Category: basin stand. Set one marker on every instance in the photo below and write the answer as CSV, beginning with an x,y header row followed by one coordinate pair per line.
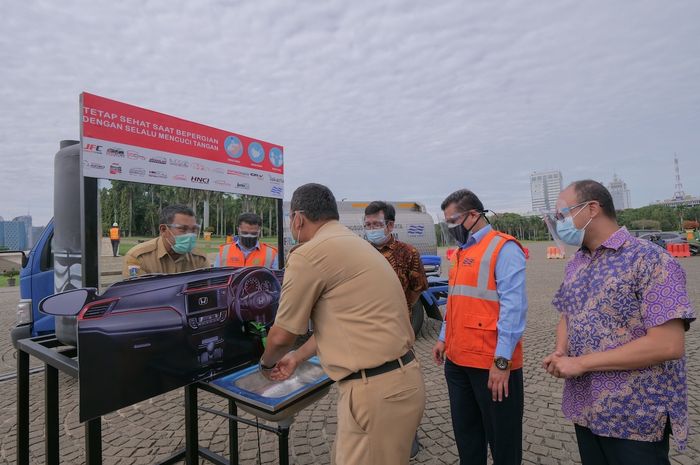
x,y
192,451
282,432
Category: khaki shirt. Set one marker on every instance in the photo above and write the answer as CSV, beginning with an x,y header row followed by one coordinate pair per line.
x,y
353,297
152,257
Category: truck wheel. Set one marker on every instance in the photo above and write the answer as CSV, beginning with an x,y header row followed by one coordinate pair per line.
x,y
417,317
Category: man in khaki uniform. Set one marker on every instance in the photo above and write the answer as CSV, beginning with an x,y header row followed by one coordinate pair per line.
x,y
362,333
172,251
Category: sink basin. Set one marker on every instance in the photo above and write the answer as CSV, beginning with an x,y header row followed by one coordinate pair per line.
x,y
275,400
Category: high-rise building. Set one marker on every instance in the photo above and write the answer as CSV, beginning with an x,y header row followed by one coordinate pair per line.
x,y
27,220
545,187
36,233
13,235
620,193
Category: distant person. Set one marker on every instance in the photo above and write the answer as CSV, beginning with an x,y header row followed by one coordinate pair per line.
x,y
480,341
620,342
171,252
114,237
404,259
361,333
246,248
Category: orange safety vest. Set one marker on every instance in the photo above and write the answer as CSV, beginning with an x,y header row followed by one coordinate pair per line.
x,y
232,255
114,234
473,307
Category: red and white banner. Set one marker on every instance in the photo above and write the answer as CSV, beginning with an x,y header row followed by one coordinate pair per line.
x,y
129,143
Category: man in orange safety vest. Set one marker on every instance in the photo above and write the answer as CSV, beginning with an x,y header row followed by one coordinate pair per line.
x,y
246,248
480,342
114,237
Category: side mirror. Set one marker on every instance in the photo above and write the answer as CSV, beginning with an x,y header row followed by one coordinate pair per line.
x,y
25,259
66,303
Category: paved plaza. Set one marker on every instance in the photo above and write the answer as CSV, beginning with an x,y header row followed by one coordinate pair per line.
x,y
148,432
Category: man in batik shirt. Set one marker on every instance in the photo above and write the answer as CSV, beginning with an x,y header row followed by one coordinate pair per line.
x,y
621,339
404,259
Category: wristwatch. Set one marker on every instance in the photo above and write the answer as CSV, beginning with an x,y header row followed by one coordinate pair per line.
x,y
264,367
502,363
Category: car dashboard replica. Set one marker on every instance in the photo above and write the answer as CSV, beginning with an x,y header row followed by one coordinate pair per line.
x,y
148,335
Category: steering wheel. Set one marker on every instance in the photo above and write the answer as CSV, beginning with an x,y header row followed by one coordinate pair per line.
x,y
256,296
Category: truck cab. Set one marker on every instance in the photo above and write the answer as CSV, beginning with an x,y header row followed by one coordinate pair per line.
x,y
36,281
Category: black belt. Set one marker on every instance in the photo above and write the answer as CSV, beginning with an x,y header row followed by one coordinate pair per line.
x,y
386,367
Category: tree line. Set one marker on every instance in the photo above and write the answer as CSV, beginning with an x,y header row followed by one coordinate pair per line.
x,y
136,208
652,217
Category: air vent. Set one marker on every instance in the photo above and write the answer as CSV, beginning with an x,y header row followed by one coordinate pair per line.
x,y
96,311
198,284
218,281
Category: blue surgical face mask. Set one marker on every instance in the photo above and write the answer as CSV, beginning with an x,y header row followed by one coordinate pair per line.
x,y
184,243
294,240
376,236
569,233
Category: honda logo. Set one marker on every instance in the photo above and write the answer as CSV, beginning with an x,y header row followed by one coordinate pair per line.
x,y
203,301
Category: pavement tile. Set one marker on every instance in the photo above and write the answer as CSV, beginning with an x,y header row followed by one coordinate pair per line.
x,y
154,429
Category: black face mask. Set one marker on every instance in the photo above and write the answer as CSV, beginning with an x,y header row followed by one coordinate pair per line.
x,y
248,241
460,233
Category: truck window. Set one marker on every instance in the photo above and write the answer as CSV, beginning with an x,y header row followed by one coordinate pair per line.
x,y
46,260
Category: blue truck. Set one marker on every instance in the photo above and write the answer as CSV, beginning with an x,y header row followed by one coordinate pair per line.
x,y
36,281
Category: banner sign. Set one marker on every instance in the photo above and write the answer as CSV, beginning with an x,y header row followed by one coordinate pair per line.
x,y
129,143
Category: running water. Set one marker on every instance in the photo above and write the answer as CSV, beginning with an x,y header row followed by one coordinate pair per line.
x,y
256,383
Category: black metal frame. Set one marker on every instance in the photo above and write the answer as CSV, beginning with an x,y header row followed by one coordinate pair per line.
x,y
193,451
56,357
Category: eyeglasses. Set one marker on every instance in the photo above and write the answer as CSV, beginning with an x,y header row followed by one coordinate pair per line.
x,y
184,229
375,224
561,214
454,220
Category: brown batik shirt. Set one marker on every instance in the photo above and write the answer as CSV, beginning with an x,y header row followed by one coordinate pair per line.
x,y
405,260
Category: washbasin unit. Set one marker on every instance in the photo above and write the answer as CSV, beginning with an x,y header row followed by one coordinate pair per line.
x,y
275,401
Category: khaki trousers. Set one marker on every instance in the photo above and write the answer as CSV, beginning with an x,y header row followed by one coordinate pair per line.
x,y
378,417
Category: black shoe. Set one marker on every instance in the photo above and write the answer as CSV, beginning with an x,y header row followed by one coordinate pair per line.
x,y
415,447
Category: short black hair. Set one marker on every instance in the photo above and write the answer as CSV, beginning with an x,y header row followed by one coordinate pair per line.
x,y
317,202
379,206
465,199
587,190
250,218
167,214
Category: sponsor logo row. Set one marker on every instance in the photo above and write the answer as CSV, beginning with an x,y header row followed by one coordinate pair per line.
x,y
116,168
160,160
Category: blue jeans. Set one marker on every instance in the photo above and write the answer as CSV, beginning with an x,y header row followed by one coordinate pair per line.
x,y
479,422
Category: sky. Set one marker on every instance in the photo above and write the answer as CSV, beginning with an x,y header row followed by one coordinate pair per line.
x,y
391,100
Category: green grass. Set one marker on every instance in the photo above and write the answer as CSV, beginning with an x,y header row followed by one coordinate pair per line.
x,y
3,281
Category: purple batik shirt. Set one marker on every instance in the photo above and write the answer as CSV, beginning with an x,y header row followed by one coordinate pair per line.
x,y
609,298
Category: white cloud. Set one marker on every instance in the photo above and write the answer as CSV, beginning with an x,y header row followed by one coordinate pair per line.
x,y
376,99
